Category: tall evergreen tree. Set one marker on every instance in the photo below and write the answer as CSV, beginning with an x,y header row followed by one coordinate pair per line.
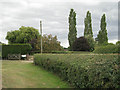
x,y
88,25
72,28
102,35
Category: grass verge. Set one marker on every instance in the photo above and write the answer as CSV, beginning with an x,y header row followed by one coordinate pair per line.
x,y
17,74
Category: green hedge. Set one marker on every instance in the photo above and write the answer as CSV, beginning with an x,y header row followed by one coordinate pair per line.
x,y
62,52
83,71
107,49
15,49
71,52
0,51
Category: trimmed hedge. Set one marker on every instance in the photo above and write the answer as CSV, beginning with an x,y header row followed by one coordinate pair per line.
x,y
15,49
62,52
108,49
83,71
0,51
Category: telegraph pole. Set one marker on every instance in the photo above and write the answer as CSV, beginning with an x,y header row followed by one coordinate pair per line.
x,y
41,34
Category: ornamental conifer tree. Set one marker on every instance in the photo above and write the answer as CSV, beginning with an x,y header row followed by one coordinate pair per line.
x,y
102,35
72,35
88,25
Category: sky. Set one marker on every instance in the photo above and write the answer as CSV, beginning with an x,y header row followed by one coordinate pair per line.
x,y
54,16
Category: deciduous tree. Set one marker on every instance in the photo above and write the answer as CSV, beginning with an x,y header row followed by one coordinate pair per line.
x,y
72,28
23,35
50,43
88,25
81,44
88,34
102,35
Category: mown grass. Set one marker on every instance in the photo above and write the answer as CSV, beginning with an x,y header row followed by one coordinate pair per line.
x,y
17,74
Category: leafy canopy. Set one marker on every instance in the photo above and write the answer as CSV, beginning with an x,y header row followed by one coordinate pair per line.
x,y
81,44
72,35
88,25
102,35
23,35
50,43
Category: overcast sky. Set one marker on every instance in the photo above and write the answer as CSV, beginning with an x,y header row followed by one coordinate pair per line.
x,y
54,15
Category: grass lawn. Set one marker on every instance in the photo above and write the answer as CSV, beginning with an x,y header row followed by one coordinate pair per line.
x,y
18,74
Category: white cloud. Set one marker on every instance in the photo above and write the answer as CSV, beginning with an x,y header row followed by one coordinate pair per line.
x,y
54,15
113,41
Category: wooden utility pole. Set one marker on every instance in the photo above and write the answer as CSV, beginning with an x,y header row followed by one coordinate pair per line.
x,y
41,34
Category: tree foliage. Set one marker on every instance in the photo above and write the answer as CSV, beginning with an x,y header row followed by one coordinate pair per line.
x,y
1,43
81,44
88,25
72,28
49,43
91,42
31,35
102,35
23,35
88,34
118,43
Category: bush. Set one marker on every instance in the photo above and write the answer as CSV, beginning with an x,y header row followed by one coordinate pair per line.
x,y
81,44
91,42
91,71
60,52
0,51
15,49
107,49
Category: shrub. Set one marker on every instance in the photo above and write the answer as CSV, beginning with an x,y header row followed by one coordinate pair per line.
x,y
15,49
91,71
118,43
81,44
107,49
0,51
60,52
91,42
110,44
